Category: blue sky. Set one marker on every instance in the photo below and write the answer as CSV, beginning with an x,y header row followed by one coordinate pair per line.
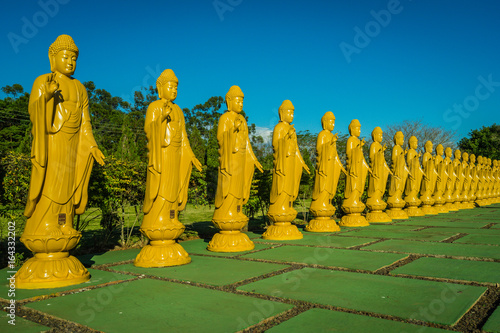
x,y
433,60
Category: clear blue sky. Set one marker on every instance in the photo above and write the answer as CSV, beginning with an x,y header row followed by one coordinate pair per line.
x,y
415,64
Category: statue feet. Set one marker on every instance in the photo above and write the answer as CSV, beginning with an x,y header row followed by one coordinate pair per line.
x,y
451,206
354,220
162,253
396,213
322,224
378,216
52,266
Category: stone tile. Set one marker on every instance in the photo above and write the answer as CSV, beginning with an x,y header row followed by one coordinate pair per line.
x,y
328,257
448,249
478,271
480,239
446,223
320,320
148,305
96,277
474,231
213,271
430,301
403,234
493,322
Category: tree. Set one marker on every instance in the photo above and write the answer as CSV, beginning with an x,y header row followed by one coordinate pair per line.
x,y
483,142
14,118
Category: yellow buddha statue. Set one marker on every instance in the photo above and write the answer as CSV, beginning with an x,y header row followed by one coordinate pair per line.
x,y
496,173
170,160
450,184
465,202
287,171
474,180
357,170
414,180
237,163
429,181
490,179
328,169
481,182
459,183
441,181
62,154
398,180
378,180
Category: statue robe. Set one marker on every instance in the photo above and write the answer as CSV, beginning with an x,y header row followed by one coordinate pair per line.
x,y
169,158
400,171
376,187
60,154
328,166
357,169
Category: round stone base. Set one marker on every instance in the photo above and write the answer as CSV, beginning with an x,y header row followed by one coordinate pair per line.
x,y
378,216
440,208
414,211
230,241
451,207
354,220
397,214
322,224
162,254
282,231
429,210
51,270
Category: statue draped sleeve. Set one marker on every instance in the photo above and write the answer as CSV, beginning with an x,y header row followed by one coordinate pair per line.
x,y
152,127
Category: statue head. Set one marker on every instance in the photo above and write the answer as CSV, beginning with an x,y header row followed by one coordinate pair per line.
x,y
355,128
377,134
439,150
448,152
234,99
480,160
328,121
413,142
458,153
428,146
472,158
465,157
63,54
286,111
166,84
399,138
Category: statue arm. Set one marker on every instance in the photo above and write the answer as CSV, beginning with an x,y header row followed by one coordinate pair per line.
x,y
349,156
225,138
152,126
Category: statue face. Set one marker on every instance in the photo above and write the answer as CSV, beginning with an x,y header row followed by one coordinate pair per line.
x,y
448,152
356,131
439,150
457,154
378,136
400,140
330,124
235,104
288,115
168,91
472,158
414,144
65,62
428,147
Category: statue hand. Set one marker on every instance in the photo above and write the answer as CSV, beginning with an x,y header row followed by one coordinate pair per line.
x,y
51,85
196,163
237,124
98,155
335,137
259,166
291,131
167,109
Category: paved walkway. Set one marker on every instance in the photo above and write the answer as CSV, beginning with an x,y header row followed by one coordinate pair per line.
x,y
425,274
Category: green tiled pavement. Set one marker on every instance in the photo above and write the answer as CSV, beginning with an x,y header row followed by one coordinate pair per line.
x,y
474,231
199,246
478,271
108,257
328,257
402,235
480,239
316,239
448,249
159,306
429,301
320,320
493,323
213,271
96,277
445,223
21,325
